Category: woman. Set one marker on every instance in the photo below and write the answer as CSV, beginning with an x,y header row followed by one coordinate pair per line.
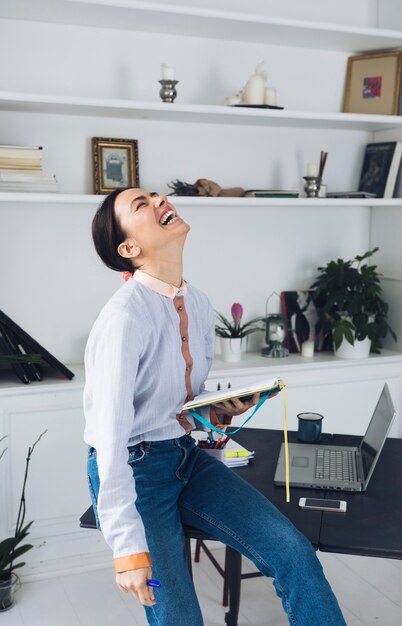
x,y
149,351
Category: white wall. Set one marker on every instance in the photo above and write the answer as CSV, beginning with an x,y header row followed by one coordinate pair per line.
x,y
51,282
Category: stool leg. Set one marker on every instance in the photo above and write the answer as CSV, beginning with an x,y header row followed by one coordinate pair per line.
x,y
188,555
197,550
225,600
234,581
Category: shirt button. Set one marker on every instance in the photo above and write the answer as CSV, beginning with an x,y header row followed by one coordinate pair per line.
x,y
180,308
184,338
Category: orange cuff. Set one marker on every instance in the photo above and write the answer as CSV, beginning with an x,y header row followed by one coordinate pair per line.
x,y
132,561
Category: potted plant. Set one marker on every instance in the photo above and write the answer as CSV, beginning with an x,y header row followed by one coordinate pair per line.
x,y
232,332
10,550
348,298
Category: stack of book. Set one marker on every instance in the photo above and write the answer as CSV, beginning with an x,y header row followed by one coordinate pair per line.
x,y
21,170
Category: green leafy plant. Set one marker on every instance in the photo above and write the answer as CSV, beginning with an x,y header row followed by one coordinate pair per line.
x,y
10,548
234,329
348,298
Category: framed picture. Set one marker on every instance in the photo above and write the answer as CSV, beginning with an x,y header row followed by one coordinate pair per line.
x,y
380,168
373,83
115,164
301,318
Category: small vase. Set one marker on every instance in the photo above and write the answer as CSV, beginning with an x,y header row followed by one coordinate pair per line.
x,y
359,350
7,589
231,349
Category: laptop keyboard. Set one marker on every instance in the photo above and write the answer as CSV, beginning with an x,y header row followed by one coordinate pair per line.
x,y
335,465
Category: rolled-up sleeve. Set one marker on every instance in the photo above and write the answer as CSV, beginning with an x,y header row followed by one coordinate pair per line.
x,y
111,363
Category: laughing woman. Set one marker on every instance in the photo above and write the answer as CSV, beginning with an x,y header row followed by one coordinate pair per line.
x,y
148,352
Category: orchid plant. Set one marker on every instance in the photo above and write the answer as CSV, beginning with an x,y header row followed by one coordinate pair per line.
x,y
234,329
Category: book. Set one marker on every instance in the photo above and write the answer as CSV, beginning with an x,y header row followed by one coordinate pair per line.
x,y
380,168
271,193
21,152
350,194
8,163
272,385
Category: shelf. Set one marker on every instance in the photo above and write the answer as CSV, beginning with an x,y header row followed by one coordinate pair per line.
x,y
211,114
296,363
199,22
190,201
252,363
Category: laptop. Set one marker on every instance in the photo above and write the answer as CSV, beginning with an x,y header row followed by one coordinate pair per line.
x,y
339,467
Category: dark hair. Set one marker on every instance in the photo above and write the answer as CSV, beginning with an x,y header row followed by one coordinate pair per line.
x,y
107,234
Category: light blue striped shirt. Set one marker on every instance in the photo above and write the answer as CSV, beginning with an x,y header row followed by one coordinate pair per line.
x,y
136,383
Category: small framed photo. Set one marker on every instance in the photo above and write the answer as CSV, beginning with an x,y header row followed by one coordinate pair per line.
x,y
115,164
373,83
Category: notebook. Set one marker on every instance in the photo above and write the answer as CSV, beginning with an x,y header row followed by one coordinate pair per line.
x,y
246,392
339,467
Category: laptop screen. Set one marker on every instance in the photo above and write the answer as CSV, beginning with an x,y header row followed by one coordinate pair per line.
x,y
377,432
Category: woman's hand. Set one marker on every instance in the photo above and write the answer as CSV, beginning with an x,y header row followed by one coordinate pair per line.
x,y
135,580
231,408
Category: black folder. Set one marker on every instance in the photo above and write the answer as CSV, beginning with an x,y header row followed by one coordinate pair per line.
x,y
28,343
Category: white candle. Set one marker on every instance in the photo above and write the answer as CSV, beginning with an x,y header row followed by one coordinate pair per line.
x,y
307,349
312,169
167,72
270,96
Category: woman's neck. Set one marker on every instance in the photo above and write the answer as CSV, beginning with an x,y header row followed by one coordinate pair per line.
x,y
168,272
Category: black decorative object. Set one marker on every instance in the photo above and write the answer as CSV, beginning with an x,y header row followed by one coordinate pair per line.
x,y
182,189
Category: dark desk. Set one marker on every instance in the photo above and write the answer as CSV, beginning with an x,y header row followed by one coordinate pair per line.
x,y
370,527
372,524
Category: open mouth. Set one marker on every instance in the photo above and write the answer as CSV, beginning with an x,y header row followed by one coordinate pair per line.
x,y
168,217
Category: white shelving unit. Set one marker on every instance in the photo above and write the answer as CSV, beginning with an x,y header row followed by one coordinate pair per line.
x,y
191,201
211,114
199,22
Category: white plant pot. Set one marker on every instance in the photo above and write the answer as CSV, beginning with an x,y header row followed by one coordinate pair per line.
x,y
360,349
231,349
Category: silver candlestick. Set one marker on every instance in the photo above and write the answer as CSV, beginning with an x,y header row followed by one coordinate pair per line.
x,y
312,186
168,90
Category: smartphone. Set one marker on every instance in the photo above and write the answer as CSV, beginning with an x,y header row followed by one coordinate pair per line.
x,y
319,504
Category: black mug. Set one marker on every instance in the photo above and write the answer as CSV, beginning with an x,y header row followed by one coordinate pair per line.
x,y
309,427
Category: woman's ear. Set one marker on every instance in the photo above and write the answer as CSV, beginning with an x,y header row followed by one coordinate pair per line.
x,y
128,249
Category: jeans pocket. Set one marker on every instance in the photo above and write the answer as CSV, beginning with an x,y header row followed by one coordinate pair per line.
x,y
135,454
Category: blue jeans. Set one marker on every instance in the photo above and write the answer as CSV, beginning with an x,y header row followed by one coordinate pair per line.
x,y
178,482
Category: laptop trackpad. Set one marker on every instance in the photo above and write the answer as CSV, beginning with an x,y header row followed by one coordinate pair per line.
x,y
300,461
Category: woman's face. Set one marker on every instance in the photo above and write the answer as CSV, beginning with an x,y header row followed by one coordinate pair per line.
x,y
150,222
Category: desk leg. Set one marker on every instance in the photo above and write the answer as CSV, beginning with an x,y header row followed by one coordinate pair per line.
x,y
234,582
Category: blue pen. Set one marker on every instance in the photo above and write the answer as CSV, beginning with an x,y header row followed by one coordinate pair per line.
x,y
153,583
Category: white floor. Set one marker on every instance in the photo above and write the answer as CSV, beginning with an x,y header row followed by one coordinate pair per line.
x,y
368,589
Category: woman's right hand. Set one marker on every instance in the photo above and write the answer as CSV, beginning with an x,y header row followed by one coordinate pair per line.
x,y
135,580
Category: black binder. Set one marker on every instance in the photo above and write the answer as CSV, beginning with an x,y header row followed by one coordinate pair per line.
x,y
31,345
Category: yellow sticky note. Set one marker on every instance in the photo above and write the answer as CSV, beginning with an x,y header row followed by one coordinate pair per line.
x,y
236,454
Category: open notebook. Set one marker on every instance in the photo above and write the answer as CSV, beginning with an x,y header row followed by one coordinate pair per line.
x,y
270,386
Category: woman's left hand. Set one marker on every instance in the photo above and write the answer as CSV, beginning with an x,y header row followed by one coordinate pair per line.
x,y
231,408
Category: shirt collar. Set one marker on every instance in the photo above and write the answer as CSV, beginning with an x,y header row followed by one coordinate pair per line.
x,y
165,289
